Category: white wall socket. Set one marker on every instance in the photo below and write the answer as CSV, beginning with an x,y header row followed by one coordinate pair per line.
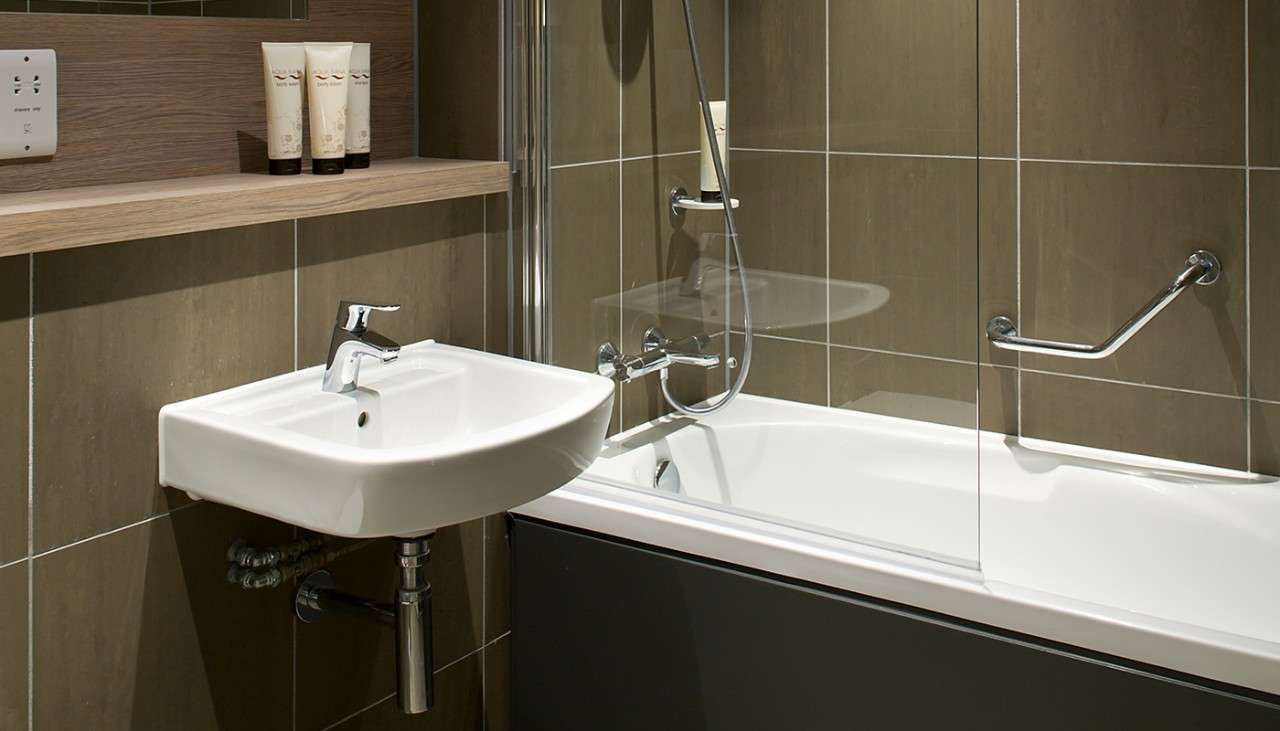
x,y
29,112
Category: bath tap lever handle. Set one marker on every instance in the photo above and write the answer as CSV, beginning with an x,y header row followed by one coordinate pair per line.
x,y
1202,268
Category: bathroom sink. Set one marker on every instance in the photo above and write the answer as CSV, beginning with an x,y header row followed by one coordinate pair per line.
x,y
440,436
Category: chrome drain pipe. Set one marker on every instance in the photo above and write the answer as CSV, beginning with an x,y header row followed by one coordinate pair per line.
x,y
410,614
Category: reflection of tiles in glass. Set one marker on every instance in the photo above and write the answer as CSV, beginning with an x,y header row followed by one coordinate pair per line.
x,y
282,9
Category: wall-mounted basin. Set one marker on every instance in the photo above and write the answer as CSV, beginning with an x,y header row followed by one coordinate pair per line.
x,y
440,436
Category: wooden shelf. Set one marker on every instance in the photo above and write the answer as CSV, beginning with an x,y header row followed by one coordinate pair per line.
x,y
74,217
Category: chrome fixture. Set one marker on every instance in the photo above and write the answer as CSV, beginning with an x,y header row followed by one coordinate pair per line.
x,y
268,568
681,201
1202,268
666,477
410,614
731,226
353,341
658,354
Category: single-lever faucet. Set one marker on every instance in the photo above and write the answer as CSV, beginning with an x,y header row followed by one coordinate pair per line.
x,y
353,341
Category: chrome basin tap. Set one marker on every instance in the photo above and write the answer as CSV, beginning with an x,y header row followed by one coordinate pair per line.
x,y
352,342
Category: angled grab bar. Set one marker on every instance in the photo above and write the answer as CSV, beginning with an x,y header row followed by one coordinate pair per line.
x,y
1202,268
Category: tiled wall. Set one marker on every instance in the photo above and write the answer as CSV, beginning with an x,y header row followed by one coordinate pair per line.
x,y
114,608
624,130
132,623
1051,161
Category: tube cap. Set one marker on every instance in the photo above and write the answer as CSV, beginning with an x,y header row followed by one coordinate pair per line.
x,y
357,160
327,166
285,167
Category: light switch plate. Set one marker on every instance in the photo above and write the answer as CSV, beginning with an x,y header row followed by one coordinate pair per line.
x,y
29,114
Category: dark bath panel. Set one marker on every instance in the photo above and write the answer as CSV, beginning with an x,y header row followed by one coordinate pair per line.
x,y
617,636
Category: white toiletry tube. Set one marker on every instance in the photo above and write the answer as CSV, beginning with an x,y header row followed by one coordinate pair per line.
x,y
283,65
720,118
328,68
358,142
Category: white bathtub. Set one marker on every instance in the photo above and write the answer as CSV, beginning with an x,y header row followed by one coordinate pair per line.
x,y
1163,562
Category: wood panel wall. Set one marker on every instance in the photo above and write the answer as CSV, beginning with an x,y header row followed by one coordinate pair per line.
x,y
150,98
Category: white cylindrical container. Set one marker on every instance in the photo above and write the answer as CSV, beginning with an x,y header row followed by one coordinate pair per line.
x,y
283,65
720,118
328,66
358,116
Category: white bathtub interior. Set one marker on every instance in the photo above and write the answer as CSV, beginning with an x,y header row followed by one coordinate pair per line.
x,y
1148,538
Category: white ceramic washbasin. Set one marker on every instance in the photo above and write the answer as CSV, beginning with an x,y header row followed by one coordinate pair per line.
x,y
448,435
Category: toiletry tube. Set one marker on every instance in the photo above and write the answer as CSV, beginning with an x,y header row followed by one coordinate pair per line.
x,y
328,66
358,143
720,118
283,65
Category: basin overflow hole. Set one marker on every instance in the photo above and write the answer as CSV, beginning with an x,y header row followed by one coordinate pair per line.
x,y
362,419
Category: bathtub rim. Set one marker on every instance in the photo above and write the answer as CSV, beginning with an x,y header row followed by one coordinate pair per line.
x,y
963,593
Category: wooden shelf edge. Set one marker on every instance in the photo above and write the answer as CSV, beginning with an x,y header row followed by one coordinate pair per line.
x,y
76,217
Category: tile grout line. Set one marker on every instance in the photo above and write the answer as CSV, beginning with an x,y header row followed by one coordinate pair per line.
x,y
1037,371
620,159
31,488
622,345
1044,160
1017,184
113,531
1248,268
826,159
482,648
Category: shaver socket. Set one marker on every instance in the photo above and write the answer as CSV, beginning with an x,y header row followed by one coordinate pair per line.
x,y
28,103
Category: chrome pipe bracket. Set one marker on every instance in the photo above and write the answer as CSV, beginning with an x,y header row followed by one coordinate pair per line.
x,y
1201,268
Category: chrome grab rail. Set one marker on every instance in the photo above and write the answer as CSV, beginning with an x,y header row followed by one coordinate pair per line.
x,y
1202,268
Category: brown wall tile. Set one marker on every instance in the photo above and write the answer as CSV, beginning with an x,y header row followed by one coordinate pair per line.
x,y
584,40
1126,80
997,78
428,258
140,629
776,75
998,399
660,111
904,386
903,76
366,651
460,77
1264,431
13,646
1195,428
123,329
786,369
908,225
14,341
1264,271
787,233
1264,93
997,253
1099,240
496,268
584,263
